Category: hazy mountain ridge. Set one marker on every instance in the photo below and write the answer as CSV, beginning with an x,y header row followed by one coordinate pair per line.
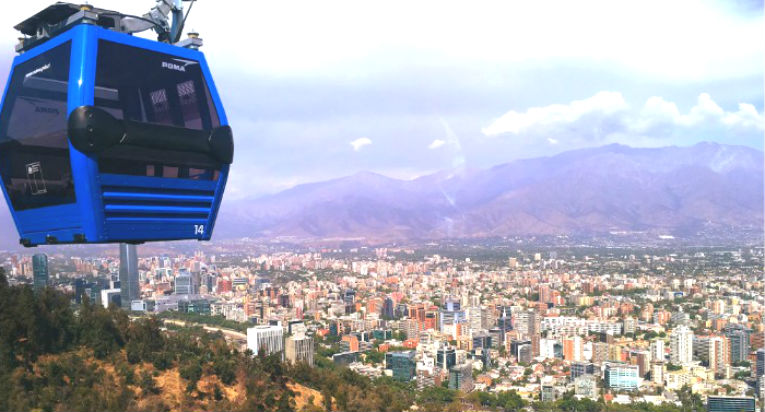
x,y
669,190
675,190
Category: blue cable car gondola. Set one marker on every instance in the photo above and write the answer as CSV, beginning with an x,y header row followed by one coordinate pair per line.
x,y
106,137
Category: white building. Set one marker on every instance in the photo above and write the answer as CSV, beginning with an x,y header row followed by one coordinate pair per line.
x,y
299,348
108,296
681,345
559,326
657,350
657,372
547,348
268,338
474,319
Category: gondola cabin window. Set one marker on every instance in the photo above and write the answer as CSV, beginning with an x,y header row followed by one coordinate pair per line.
x,y
34,150
151,87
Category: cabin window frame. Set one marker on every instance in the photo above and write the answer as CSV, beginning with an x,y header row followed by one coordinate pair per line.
x,y
159,88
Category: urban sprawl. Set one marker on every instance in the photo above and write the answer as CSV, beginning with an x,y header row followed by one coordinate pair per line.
x,y
627,325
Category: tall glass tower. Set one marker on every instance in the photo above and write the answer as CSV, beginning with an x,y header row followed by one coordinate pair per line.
x,y
128,275
40,270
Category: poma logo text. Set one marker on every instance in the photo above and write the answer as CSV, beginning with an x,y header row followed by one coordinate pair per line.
x,y
173,66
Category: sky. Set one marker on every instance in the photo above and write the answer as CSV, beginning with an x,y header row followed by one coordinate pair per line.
x,y
319,90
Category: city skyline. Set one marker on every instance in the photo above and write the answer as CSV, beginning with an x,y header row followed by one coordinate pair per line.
x,y
614,326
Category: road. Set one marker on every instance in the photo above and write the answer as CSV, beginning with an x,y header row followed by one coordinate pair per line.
x,y
229,334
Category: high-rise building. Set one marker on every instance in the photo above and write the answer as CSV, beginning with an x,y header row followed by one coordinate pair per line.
x,y
299,348
446,357
520,321
534,332
525,354
351,341
461,377
757,340
387,309
681,345
680,318
450,314
110,296
333,329
714,350
738,337
497,337
474,315
296,326
184,284
629,325
349,299
402,364
484,355
268,338
657,372
622,377
40,271
201,306
581,368
345,358
730,404
545,294
79,290
557,349
760,366
643,361
572,348
129,290
481,340
600,351
657,350
400,311
505,321
90,290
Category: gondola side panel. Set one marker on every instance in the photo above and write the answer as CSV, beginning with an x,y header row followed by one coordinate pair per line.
x,y
225,169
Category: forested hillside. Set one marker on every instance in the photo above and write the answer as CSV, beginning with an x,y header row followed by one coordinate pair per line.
x,y
55,357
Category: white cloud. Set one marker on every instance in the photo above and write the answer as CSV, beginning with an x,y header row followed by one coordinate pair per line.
x,y
746,116
606,117
706,112
556,114
435,144
360,142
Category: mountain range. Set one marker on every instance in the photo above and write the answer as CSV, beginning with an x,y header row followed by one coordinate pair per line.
x,y
670,190
678,191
